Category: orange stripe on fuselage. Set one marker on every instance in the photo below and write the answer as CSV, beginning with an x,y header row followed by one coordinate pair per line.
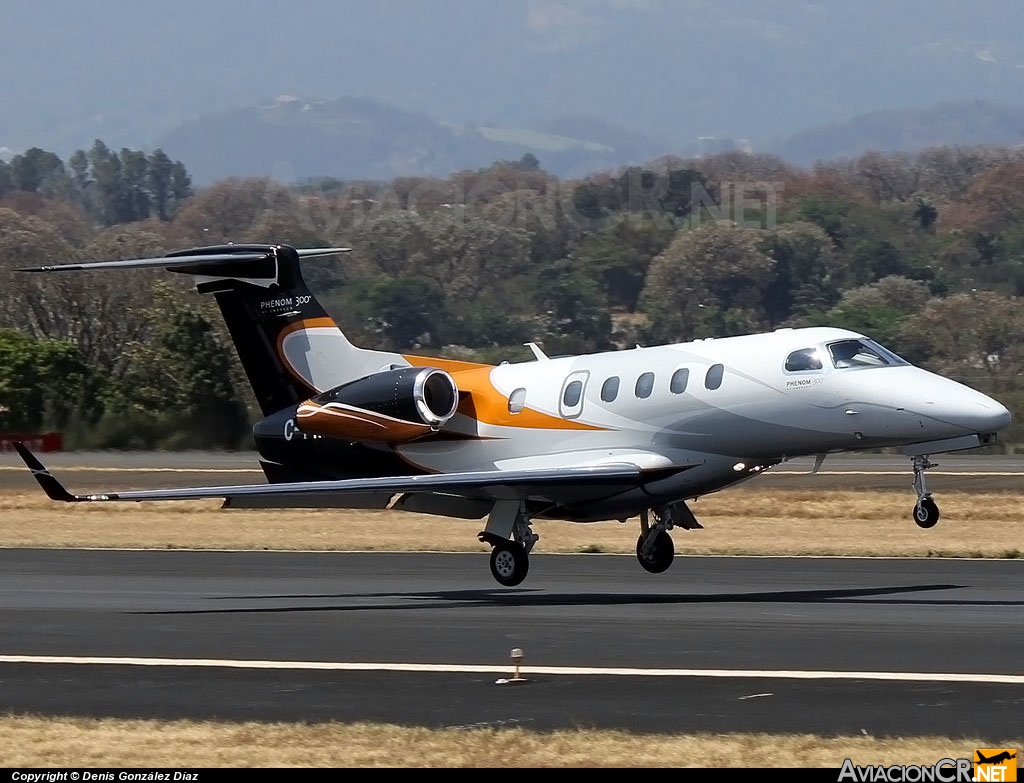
x,y
448,365
482,402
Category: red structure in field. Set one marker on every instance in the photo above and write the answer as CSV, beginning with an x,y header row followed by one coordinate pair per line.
x,y
37,441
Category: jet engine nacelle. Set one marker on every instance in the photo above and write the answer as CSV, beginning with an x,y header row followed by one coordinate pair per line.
x,y
393,406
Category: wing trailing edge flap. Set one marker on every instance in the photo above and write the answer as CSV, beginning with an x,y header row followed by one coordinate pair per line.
x,y
492,484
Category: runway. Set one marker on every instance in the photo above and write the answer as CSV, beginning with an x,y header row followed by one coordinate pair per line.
x,y
113,470
829,646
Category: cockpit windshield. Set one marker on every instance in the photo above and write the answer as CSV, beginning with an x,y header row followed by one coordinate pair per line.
x,y
862,353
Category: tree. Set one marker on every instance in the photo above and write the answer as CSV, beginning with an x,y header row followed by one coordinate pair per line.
x,y
106,174
409,311
574,315
881,310
6,179
178,389
159,171
468,256
38,171
711,281
528,162
541,216
40,381
618,259
133,200
81,177
225,211
925,213
992,203
807,274
976,337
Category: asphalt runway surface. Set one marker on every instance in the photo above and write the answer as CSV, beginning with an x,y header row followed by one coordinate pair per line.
x,y
825,645
114,470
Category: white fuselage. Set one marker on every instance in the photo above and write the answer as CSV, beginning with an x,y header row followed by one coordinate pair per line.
x,y
739,406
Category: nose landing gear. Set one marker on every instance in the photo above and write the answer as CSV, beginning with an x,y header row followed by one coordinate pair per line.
x,y
654,547
926,513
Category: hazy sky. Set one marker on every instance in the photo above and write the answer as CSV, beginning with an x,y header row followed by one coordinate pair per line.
x,y
130,71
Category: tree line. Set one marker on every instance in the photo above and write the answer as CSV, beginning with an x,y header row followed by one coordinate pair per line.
x,y
924,252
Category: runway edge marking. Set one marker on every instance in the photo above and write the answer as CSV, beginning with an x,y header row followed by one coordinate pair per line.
x,y
454,668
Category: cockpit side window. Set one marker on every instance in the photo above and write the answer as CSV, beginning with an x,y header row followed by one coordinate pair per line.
x,y
860,353
803,360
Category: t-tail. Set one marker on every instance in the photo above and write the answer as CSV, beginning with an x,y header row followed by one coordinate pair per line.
x,y
290,348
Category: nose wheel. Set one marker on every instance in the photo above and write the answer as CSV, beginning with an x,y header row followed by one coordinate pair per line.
x,y
926,512
654,548
658,556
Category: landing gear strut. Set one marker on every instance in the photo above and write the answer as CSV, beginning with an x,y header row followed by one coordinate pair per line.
x,y
511,538
926,513
654,548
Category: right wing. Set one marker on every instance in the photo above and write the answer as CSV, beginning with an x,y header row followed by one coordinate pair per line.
x,y
495,484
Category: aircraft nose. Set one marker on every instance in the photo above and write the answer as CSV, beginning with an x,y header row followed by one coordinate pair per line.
x,y
996,417
968,409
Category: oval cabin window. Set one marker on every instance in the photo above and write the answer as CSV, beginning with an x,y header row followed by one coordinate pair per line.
x,y
610,389
517,401
645,385
714,377
679,380
572,394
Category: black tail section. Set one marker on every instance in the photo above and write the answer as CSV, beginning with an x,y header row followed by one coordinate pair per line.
x,y
289,346
261,301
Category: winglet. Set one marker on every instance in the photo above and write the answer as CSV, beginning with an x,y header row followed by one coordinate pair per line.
x,y
53,488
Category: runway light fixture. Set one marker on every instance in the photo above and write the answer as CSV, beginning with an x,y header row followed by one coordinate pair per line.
x,y
517,659
739,466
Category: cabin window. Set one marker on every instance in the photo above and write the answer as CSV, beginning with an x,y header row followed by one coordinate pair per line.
x,y
610,389
645,385
517,401
803,360
570,404
571,395
713,379
679,380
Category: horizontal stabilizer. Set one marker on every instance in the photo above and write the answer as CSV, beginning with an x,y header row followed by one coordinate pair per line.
x,y
192,262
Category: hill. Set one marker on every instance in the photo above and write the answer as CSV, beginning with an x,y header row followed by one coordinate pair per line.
x,y
959,123
292,139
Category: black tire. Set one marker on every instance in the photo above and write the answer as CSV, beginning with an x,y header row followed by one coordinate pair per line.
x,y
926,513
661,556
509,563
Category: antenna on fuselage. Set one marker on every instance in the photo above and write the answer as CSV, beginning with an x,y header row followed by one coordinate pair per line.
x,y
817,463
538,354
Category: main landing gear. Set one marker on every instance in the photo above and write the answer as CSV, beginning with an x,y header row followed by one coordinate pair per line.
x,y
509,533
654,548
926,513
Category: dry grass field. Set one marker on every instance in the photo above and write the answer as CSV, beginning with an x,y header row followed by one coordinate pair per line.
x,y
78,742
769,522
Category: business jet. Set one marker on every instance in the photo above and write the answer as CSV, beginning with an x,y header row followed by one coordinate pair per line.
x,y
604,436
